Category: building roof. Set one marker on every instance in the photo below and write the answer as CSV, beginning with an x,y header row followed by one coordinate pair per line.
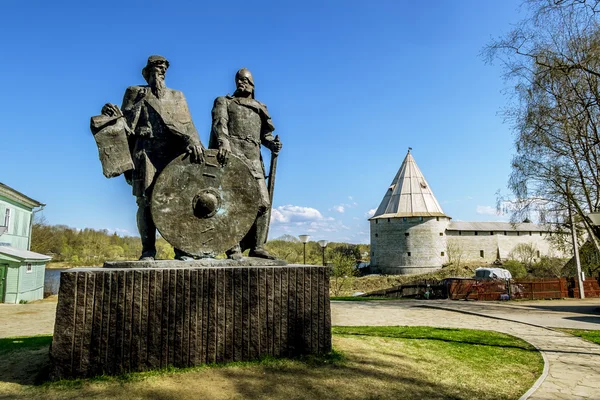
x,y
497,226
17,196
409,195
22,255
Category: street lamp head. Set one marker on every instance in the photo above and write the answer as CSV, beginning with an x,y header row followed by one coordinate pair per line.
x,y
595,217
323,243
304,238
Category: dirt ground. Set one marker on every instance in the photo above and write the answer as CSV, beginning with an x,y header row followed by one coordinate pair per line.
x,y
35,318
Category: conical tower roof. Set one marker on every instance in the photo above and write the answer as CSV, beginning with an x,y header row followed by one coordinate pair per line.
x,y
409,195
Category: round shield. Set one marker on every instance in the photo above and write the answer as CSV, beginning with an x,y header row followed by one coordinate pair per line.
x,y
205,209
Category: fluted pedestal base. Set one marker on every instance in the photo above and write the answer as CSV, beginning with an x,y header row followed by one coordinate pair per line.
x,y
117,320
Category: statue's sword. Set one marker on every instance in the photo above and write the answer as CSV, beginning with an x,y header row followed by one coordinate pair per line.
x,y
271,185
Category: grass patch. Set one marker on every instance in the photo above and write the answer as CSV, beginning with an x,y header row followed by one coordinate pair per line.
x,y
372,283
268,363
592,336
464,336
8,345
368,363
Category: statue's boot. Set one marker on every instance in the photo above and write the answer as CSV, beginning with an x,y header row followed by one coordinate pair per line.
x,y
183,256
260,238
235,253
147,229
260,252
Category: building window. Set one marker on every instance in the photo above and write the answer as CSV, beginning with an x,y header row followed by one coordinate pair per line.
x,y
442,254
481,253
408,253
540,233
404,219
437,218
376,221
476,233
518,233
406,233
459,233
441,233
530,233
491,233
29,269
504,233
372,254
377,235
420,218
7,217
388,220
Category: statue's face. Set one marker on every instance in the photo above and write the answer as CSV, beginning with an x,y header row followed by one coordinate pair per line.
x,y
243,84
159,68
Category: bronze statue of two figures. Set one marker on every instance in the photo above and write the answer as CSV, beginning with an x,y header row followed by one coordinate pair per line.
x,y
202,201
143,315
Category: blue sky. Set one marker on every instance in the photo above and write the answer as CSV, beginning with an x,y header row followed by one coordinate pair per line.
x,y
350,85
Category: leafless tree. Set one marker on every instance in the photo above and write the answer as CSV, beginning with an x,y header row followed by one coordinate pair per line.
x,y
552,58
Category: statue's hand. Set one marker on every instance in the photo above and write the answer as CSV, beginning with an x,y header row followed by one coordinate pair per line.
x,y
196,153
276,145
223,153
111,110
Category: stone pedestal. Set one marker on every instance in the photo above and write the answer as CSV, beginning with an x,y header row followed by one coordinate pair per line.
x,y
117,320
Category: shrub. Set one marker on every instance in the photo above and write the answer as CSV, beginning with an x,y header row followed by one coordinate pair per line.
x,y
549,267
516,268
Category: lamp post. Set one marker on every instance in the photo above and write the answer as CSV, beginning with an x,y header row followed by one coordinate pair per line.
x,y
304,240
575,246
323,244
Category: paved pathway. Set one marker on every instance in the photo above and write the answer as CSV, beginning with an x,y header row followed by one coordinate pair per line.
x,y
572,364
27,319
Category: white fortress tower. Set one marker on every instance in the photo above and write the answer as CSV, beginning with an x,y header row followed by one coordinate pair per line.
x,y
408,230
410,234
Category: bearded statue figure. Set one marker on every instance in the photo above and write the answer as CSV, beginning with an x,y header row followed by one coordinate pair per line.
x,y
160,128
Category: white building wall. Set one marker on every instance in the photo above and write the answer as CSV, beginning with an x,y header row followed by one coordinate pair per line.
x,y
471,247
499,244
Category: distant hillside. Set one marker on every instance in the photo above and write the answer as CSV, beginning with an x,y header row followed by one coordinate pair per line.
x,y
70,246
73,247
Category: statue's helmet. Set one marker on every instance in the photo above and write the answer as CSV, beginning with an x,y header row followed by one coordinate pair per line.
x,y
153,60
245,73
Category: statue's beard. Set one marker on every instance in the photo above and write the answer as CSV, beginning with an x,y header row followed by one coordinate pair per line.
x,y
244,92
157,84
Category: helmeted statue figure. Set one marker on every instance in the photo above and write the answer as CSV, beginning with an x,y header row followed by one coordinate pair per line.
x,y
240,124
159,129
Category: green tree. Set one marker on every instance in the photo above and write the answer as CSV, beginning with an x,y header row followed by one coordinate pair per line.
x,y
343,258
525,253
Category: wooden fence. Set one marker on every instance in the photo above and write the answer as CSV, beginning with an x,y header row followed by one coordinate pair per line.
x,y
472,289
490,290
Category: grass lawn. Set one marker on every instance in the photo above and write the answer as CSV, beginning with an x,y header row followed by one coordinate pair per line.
x,y
368,363
358,298
592,336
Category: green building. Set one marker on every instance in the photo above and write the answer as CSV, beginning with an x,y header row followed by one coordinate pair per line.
x,y
21,270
